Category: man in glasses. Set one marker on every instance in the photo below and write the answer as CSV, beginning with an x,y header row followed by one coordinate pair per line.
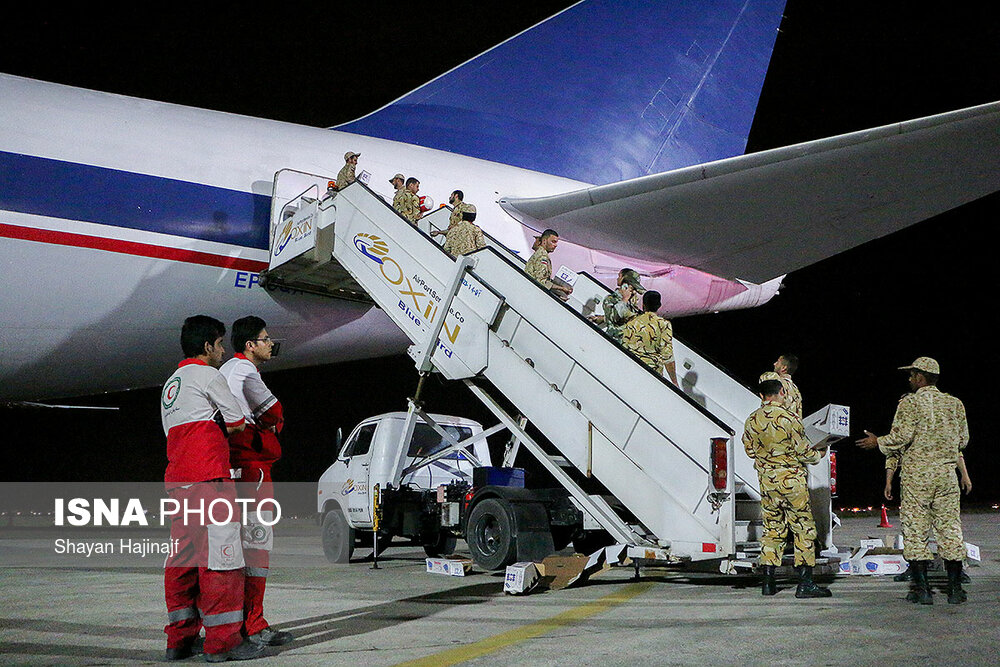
x,y
251,455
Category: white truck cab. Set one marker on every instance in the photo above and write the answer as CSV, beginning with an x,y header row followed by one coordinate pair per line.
x,y
345,491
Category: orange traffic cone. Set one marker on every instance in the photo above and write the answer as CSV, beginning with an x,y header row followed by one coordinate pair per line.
x,y
885,519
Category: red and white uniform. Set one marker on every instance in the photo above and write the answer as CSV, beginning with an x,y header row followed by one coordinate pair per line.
x,y
251,454
203,580
258,444
197,449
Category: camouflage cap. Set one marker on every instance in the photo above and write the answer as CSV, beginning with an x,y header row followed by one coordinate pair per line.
x,y
399,176
349,154
470,208
631,278
925,364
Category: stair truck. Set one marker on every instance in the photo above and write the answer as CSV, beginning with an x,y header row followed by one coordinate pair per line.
x,y
633,460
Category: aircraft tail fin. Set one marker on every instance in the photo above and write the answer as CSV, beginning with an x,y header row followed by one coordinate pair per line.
x,y
604,91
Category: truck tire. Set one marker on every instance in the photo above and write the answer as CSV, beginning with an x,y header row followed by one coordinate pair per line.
x,y
338,537
442,544
490,534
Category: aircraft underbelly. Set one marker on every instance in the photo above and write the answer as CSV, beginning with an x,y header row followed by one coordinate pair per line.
x,y
111,321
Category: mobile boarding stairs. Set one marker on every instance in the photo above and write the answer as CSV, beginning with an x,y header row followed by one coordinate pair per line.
x,y
670,456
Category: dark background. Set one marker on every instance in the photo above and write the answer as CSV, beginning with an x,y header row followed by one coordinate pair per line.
x,y
837,67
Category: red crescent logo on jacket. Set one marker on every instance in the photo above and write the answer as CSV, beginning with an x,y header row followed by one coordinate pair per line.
x,y
171,391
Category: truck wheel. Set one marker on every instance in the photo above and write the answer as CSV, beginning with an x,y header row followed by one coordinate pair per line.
x,y
442,544
338,537
490,534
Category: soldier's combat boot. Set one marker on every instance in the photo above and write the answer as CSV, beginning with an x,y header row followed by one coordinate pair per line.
x,y
920,588
905,576
806,588
767,584
956,595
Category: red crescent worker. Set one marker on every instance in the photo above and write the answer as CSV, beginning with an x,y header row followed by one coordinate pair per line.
x,y
251,454
203,576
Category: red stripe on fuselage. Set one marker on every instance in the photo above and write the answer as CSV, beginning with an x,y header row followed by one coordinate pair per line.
x,y
129,248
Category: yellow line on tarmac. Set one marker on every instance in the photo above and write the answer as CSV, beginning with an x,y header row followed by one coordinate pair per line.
x,y
525,632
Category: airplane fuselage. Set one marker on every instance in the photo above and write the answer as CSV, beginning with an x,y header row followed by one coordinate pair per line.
x,y
120,217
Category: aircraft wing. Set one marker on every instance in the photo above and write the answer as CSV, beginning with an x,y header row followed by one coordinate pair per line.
x,y
758,216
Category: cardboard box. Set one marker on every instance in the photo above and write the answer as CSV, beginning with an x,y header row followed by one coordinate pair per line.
x,y
869,559
454,567
562,571
521,578
565,571
827,426
879,565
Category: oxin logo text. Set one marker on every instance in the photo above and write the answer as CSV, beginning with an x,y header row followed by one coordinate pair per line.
x,y
425,306
294,230
371,247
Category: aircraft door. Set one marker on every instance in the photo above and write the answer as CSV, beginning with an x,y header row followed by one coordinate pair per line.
x,y
357,455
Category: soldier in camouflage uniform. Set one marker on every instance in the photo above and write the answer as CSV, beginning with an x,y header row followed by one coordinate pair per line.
x,y
407,203
783,369
464,236
539,265
775,439
458,207
892,461
397,182
651,338
930,429
346,174
457,201
623,304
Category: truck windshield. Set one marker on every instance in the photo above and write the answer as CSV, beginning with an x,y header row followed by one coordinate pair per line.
x,y
427,441
360,444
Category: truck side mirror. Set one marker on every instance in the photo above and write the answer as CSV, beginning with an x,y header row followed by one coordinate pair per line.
x,y
340,441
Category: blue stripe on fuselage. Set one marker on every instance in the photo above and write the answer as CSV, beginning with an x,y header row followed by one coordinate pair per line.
x,y
71,191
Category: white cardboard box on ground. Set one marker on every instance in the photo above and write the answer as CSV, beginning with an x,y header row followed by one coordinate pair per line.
x,y
879,565
454,567
520,578
872,543
863,562
870,559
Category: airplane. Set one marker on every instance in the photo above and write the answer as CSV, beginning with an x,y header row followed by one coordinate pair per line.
x,y
152,211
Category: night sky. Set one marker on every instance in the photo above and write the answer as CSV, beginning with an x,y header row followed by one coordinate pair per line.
x,y
836,68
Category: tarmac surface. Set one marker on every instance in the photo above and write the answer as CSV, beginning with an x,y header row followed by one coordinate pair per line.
x,y
399,614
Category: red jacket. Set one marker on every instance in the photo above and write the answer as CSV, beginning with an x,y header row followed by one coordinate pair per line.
x,y
197,448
